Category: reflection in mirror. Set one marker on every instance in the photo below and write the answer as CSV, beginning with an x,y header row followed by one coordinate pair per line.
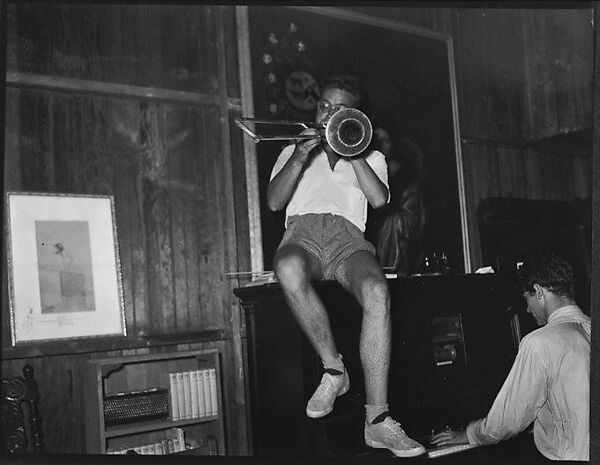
x,y
408,82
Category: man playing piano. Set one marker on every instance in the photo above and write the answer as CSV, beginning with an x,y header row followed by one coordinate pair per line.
x,y
548,384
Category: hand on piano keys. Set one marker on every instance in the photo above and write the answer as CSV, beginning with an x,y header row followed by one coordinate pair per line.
x,y
448,442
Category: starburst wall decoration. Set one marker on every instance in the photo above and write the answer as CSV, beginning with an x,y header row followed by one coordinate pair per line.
x,y
287,75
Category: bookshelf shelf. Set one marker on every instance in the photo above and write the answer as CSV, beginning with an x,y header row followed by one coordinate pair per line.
x,y
141,426
190,381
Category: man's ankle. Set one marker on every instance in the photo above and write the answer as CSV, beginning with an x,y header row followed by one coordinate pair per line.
x,y
334,371
374,413
335,363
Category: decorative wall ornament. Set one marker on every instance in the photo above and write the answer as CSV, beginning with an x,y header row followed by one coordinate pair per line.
x,y
288,72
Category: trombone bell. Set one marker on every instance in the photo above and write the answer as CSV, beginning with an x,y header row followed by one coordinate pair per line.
x,y
348,132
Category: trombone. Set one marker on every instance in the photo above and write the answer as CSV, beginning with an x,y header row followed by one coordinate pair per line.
x,y
348,132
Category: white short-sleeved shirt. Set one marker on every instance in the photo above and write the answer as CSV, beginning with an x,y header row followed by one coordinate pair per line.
x,y
323,190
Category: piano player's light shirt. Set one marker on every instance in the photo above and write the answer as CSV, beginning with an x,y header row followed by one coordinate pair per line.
x,y
323,190
548,385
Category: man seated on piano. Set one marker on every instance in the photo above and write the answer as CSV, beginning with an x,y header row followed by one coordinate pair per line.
x,y
548,384
325,196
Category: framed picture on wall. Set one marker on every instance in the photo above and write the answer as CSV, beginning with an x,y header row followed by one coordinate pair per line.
x,y
63,267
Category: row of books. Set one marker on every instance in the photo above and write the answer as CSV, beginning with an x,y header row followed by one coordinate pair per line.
x,y
193,394
173,441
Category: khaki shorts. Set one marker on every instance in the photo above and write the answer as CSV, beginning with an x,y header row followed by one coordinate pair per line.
x,y
330,239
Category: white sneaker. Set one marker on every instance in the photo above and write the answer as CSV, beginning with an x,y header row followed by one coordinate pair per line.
x,y
388,434
332,386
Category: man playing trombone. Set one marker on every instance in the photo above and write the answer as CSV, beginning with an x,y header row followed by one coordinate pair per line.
x,y
325,195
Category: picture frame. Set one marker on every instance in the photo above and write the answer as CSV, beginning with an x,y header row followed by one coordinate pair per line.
x,y
64,270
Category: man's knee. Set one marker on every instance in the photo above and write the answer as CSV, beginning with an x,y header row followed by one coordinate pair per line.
x,y
375,293
290,268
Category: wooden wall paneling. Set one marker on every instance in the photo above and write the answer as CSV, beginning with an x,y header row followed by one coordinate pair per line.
x,y
574,69
209,51
474,163
467,83
435,19
130,44
545,122
98,145
534,175
33,115
232,56
123,132
184,184
60,399
217,255
212,261
230,249
58,381
177,131
582,68
205,220
559,59
504,171
545,169
198,244
12,182
507,67
489,69
565,116
442,20
192,216
157,218
583,177
12,145
241,201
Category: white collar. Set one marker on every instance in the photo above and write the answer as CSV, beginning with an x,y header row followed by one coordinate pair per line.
x,y
566,313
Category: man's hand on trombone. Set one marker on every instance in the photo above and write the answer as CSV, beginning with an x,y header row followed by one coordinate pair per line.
x,y
304,147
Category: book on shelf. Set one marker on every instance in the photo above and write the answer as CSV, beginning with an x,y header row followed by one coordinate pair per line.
x,y
212,374
187,395
170,446
200,393
167,442
180,395
207,396
194,393
173,397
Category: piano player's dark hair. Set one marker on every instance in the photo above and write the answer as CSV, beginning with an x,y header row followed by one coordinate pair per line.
x,y
549,270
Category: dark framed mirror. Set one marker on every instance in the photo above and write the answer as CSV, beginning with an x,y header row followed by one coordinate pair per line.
x,y
408,77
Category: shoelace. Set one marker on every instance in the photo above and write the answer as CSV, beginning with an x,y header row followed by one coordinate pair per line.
x,y
326,385
395,427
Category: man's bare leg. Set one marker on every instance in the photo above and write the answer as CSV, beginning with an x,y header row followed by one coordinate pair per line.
x,y
295,268
361,275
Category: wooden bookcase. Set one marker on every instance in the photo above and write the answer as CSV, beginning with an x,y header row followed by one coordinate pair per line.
x,y
204,435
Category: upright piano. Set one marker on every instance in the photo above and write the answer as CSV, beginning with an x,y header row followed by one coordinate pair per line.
x,y
454,339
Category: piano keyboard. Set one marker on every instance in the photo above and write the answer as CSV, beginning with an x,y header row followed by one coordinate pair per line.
x,y
447,450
